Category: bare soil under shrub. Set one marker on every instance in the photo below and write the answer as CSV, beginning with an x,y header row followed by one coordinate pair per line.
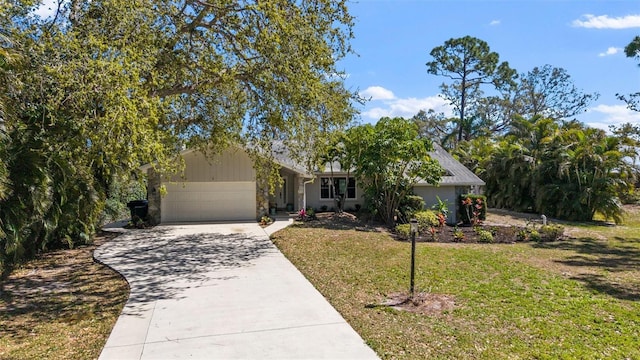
x,y
501,234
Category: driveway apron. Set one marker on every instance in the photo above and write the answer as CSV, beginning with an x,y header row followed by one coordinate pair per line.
x,y
219,291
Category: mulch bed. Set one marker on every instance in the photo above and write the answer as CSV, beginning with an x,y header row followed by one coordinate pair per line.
x,y
347,221
501,234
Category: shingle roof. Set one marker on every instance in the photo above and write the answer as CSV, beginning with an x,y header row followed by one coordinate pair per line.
x,y
457,174
282,156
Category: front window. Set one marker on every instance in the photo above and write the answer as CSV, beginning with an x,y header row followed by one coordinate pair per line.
x,y
340,186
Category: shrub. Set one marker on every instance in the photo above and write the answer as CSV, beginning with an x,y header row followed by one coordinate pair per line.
x,y
534,235
409,206
414,202
630,196
458,235
551,232
485,236
404,230
426,220
522,235
311,214
471,205
434,234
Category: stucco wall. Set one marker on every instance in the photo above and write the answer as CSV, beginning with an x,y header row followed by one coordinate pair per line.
x,y
446,194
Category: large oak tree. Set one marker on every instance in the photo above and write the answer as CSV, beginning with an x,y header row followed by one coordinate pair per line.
x,y
108,85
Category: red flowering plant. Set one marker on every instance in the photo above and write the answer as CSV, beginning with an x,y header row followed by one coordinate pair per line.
x,y
477,210
473,211
434,233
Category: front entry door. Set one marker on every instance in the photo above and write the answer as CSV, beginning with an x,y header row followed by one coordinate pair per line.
x,y
281,195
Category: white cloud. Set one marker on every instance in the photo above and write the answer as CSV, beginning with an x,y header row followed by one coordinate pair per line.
x,y
494,22
46,9
407,107
377,93
606,22
610,51
377,113
602,116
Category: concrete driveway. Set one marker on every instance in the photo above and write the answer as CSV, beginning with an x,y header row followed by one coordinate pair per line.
x,y
220,291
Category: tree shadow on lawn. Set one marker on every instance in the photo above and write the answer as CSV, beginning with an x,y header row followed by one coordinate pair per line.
x,y
62,285
597,254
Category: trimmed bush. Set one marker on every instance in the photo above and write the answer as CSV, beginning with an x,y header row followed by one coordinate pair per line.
x,y
426,220
485,236
534,235
404,230
410,205
414,202
551,232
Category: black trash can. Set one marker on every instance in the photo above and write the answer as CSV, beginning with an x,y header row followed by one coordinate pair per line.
x,y
138,208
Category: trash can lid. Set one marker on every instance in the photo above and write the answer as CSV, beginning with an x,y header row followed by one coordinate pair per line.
x,y
133,203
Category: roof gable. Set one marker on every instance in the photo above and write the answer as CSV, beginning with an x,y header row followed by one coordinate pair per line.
x,y
457,174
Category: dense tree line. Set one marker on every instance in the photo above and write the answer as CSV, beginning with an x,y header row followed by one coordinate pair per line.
x,y
104,86
523,141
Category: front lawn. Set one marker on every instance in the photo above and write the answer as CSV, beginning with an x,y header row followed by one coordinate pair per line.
x,y
62,305
578,298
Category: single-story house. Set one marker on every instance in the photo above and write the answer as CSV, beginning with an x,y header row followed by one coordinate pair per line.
x,y
227,188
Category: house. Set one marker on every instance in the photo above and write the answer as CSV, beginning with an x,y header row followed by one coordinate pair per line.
x,y
457,180
227,188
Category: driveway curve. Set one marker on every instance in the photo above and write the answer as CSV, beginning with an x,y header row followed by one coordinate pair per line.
x,y
219,291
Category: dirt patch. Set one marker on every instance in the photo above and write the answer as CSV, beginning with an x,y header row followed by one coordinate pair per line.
x,y
59,271
446,234
342,221
420,303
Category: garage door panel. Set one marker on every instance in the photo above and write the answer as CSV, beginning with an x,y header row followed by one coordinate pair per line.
x,y
210,201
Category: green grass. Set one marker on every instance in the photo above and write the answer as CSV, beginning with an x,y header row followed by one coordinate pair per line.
x,y
571,299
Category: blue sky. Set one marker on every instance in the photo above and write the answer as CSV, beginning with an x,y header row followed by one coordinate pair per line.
x,y
393,40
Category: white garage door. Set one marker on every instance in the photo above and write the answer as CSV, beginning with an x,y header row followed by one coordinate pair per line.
x,y
209,201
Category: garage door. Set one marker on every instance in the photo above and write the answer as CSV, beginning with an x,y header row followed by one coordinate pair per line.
x,y
209,201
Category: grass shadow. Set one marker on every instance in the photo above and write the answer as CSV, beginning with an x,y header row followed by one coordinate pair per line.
x,y
590,253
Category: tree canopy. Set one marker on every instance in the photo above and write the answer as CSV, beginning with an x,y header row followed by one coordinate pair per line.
x,y
566,171
105,86
632,50
389,158
470,63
